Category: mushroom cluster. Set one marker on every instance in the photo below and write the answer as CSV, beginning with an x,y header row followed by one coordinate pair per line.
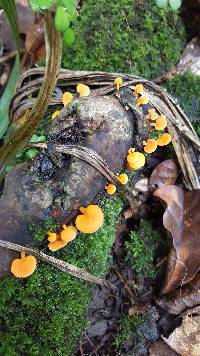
x,y
60,240
67,97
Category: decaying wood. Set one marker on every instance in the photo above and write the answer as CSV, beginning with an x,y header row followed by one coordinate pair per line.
x,y
59,264
179,126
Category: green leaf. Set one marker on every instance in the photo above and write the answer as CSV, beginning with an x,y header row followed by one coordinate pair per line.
x,y
62,19
6,97
36,138
162,4
69,37
11,12
34,5
175,4
31,153
70,6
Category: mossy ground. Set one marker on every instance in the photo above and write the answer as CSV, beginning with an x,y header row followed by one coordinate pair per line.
x,y
126,327
186,88
125,36
141,249
46,313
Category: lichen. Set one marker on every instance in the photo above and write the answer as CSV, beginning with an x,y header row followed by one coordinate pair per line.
x,y
126,36
47,313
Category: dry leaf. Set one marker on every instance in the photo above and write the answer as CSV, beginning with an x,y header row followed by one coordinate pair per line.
x,y
160,348
182,220
165,173
186,338
34,42
180,300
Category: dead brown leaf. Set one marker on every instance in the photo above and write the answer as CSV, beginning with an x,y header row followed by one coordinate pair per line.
x,y
165,173
160,348
180,300
186,338
182,220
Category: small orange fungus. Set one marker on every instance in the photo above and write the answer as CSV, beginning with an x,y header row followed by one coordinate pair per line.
x,y
111,189
150,145
68,233
161,123
67,98
152,114
52,236
138,89
122,178
55,113
136,160
118,82
83,90
91,219
23,267
164,140
142,100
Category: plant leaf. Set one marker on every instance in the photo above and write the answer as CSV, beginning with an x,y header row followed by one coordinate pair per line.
x,y
162,4
6,97
182,220
11,12
175,4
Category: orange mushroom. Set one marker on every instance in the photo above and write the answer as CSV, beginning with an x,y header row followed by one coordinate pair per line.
x,y
122,178
56,245
91,220
83,90
56,113
152,114
150,145
161,123
67,98
52,236
118,82
164,140
138,89
142,100
136,160
23,267
68,233
111,189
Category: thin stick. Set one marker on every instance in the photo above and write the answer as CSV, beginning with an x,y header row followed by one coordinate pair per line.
x,y
59,264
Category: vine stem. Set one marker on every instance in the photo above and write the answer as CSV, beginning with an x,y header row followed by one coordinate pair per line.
x,y
59,264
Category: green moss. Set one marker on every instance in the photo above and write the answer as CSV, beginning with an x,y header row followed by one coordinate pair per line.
x,y
125,36
126,327
46,313
141,249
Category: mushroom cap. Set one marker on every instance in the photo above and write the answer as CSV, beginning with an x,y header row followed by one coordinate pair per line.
x,y
164,140
23,267
67,98
142,100
55,113
56,245
83,90
152,114
136,160
123,178
111,188
118,81
91,220
161,123
138,89
68,233
150,145
52,236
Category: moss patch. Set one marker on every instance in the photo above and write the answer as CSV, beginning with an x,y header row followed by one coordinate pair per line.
x,y
186,88
126,327
125,36
141,249
46,313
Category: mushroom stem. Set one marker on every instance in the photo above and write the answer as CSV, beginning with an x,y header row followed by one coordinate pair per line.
x,y
22,254
59,264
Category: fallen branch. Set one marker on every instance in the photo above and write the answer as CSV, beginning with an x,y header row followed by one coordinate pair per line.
x,y
59,264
